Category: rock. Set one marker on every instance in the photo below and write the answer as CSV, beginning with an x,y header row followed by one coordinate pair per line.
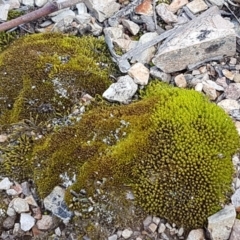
x,y
166,15
228,74
16,228
3,138
58,232
220,223
12,192
147,221
236,78
152,227
161,228
5,184
145,8
83,18
122,91
113,237
28,2
10,211
156,220
102,9
210,91
131,26
14,4
20,205
114,32
37,214
127,233
157,73
235,230
40,3
180,231
55,203
63,15
196,234
96,29
45,223
176,5
125,44
228,105
235,114
214,85
218,3
25,188
26,221
236,199
222,82
199,87
233,91
204,37
197,6
139,73
17,187
180,81
147,55
81,7
37,233
31,201
8,223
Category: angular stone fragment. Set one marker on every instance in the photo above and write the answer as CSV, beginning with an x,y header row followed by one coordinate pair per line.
x,y
180,81
114,32
236,199
156,73
218,3
214,85
8,223
220,224
40,3
131,26
28,2
197,6
62,15
166,15
210,91
229,105
20,205
127,233
199,87
45,223
152,227
122,91
161,228
125,44
228,74
81,7
139,73
233,91
235,230
196,41
147,221
5,184
176,5
145,8
14,4
102,9
196,234
4,8
26,221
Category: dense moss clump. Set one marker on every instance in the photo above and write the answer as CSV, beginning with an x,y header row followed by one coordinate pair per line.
x,y
44,75
172,149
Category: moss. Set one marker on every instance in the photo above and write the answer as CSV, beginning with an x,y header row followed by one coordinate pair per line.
x,y
49,73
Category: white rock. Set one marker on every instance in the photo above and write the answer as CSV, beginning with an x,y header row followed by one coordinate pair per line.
x,y
161,228
214,85
45,223
236,199
83,18
16,228
131,26
235,230
147,55
228,74
127,233
157,73
209,91
176,5
26,221
3,138
199,87
96,29
12,192
4,8
114,32
31,201
220,224
28,2
13,4
40,3
229,105
20,205
125,44
62,15
196,234
166,15
218,3
102,9
152,227
196,41
197,6
10,211
81,7
5,184
122,91
58,232
156,220
237,125
180,81
139,73
113,237
147,221
180,231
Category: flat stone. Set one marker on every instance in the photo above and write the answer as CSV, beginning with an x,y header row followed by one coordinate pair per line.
x,y
14,4
40,3
37,214
228,74
145,8
197,6
236,78
81,7
161,228
126,233
218,3
214,85
220,224
222,82
147,221
166,15
152,227
25,188
16,228
45,223
233,91
199,87
139,73
10,211
125,44
210,91
114,32
55,203
31,201
176,5
157,73
180,231
102,9
8,223
28,2
122,91
236,199
12,192
58,232
131,26
83,18
26,221
156,220
196,41
235,230
5,184
20,205
62,15
180,81
113,237
229,104
196,234
147,55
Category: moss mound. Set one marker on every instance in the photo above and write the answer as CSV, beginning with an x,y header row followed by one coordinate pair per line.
x,y
172,148
43,75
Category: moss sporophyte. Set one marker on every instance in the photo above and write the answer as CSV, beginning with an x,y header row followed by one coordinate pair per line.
x,y
172,148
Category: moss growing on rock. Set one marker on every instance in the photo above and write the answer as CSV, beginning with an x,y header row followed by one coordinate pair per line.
x,y
45,74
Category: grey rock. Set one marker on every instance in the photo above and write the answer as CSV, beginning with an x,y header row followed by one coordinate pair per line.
x,y
45,223
113,237
26,188
222,82
206,36
131,26
102,9
20,205
176,5
5,184
63,15
236,199
81,7
127,233
236,78
166,14
214,85
55,203
4,8
152,227
40,3
228,74
229,104
218,3
83,18
28,2
26,221
235,114
147,221
125,44
13,4
157,73
199,87
196,234
122,91
114,32
221,223
235,230
197,6
233,91
161,228
210,91
8,223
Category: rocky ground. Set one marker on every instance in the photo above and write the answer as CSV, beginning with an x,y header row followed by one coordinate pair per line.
x,y
187,44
